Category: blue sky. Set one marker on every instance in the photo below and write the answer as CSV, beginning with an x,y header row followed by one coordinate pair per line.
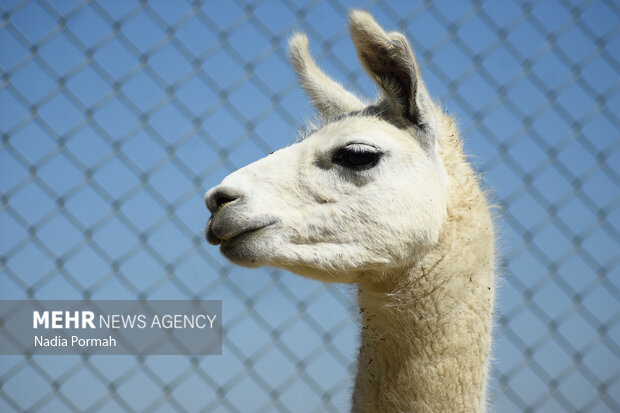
x,y
116,117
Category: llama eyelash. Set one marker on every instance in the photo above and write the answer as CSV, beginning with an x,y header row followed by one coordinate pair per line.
x,y
357,156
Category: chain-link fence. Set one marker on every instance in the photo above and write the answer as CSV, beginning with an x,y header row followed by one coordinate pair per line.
x,y
116,116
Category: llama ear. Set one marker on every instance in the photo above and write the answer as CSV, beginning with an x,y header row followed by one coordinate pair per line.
x,y
390,62
327,95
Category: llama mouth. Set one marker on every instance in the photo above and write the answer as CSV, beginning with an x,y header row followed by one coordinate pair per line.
x,y
221,234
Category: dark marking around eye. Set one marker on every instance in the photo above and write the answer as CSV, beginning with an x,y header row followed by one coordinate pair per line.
x,y
357,157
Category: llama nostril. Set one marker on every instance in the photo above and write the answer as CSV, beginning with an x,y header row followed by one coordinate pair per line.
x,y
218,197
223,199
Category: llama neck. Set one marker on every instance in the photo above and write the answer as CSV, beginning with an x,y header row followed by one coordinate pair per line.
x,y
426,339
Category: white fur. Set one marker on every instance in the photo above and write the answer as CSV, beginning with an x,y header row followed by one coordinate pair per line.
x,y
330,223
414,231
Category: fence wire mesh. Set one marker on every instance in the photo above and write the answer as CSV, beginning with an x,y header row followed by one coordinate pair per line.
x,y
116,116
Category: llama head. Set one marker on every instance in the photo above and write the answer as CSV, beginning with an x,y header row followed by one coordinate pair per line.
x,y
363,192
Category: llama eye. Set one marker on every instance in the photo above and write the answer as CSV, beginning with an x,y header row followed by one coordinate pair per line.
x,y
357,157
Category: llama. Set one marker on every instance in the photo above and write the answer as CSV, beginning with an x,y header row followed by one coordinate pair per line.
x,y
379,195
